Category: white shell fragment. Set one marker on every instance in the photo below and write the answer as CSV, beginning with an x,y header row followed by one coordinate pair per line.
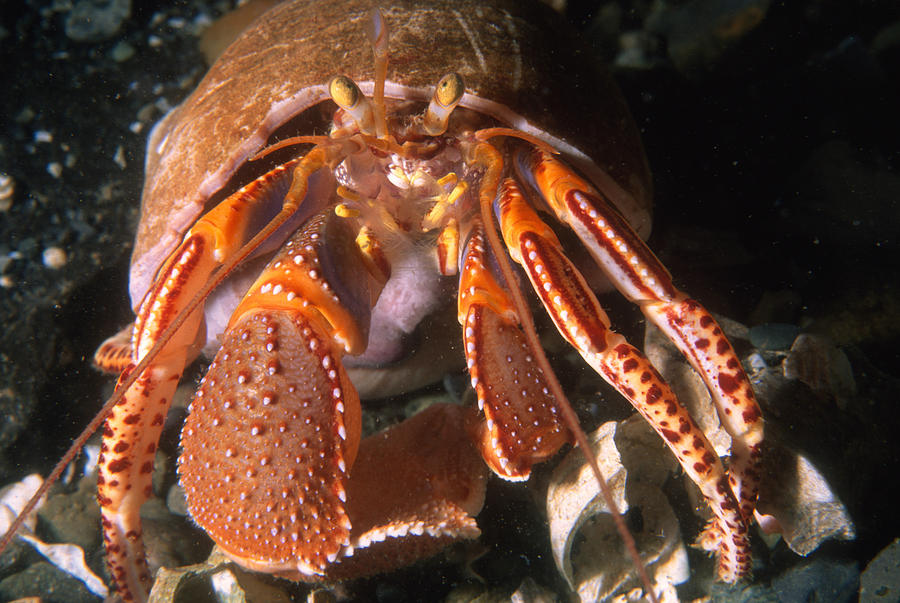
x,y
219,574
635,463
67,557
822,366
798,503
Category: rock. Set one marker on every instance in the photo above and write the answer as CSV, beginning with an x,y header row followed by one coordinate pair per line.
x,y
773,335
73,517
818,363
819,580
880,581
48,582
95,20
700,31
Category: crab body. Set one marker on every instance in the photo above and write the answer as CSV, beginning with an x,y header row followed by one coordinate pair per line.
x,y
295,267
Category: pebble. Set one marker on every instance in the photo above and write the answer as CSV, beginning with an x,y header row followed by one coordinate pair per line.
x,y
55,169
54,258
773,336
119,157
45,582
7,190
122,51
94,20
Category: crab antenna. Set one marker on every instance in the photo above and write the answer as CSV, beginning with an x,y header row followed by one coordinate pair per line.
x,y
378,35
447,95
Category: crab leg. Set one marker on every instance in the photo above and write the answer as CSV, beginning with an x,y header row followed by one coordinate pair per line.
x,y
133,427
522,424
641,277
581,320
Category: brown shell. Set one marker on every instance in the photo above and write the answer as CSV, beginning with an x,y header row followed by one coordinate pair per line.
x,y
520,62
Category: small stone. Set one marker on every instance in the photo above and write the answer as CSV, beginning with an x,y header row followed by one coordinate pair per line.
x,y
119,157
7,190
121,52
43,136
773,336
25,115
54,258
54,169
47,582
94,20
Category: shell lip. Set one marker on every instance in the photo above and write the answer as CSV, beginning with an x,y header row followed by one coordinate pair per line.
x,y
144,268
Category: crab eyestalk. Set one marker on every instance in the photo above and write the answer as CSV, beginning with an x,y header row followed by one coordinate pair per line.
x,y
447,95
347,95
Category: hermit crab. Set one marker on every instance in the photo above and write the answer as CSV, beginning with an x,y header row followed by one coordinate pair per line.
x,y
308,206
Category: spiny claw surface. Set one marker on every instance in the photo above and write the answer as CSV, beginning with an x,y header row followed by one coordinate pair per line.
x,y
268,443
522,425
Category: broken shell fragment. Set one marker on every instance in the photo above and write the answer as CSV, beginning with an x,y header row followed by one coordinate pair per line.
x,y
596,565
797,502
822,366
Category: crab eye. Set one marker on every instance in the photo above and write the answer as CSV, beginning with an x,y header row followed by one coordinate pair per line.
x,y
449,90
347,95
447,95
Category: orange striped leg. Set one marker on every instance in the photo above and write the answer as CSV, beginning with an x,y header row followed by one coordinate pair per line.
x,y
582,321
522,425
132,429
636,272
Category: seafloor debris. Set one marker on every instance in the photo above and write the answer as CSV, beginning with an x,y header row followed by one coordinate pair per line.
x,y
230,583
796,500
881,579
67,557
7,190
818,363
586,545
94,20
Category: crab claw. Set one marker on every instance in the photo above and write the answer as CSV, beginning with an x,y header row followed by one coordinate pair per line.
x,y
270,445
522,425
437,486
275,425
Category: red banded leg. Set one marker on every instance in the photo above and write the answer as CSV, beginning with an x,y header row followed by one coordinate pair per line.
x,y
132,430
522,424
643,279
582,321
